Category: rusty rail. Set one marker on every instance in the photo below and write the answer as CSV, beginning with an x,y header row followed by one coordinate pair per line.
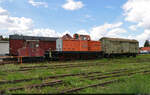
x,y
63,75
93,85
43,78
100,84
52,83
80,88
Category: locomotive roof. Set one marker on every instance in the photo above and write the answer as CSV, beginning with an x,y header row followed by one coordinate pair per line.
x,y
20,37
119,39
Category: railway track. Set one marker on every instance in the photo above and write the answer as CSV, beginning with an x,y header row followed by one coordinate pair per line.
x,y
76,89
57,76
55,67
44,78
99,75
61,65
68,75
93,85
102,84
52,83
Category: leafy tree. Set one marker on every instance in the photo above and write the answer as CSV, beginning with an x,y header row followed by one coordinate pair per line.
x,y
147,44
5,39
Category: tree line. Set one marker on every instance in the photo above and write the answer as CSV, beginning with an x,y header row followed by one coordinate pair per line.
x,y
147,43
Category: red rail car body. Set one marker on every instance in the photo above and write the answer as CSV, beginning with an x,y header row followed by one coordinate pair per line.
x,y
30,46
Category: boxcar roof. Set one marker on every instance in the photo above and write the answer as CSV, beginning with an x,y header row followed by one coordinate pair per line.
x,y
119,39
20,37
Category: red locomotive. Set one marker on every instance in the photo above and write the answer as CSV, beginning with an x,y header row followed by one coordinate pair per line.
x,y
30,47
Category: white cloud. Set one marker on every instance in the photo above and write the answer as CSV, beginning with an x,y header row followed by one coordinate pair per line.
x,y
105,30
143,37
22,26
116,33
45,33
66,32
72,5
83,32
88,16
3,11
12,24
36,4
133,27
110,7
138,12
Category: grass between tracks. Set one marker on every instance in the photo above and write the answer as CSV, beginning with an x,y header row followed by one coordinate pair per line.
x,y
137,84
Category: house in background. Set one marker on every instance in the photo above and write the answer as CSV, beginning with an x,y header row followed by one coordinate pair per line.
x,y
145,50
4,47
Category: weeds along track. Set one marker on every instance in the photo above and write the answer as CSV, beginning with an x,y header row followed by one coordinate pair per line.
x,y
102,84
85,75
57,76
55,67
58,66
118,75
74,89
65,65
116,72
93,85
44,78
52,83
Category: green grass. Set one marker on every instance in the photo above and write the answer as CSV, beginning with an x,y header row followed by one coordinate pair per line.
x,y
136,84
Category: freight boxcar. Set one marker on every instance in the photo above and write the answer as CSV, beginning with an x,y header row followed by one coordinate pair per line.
x,y
119,46
76,47
30,46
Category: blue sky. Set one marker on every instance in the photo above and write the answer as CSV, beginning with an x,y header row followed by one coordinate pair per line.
x,y
57,17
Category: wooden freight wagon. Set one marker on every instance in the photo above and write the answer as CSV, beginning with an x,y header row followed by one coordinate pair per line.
x,y
118,46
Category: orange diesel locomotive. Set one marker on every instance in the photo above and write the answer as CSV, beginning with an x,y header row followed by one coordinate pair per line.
x,y
76,47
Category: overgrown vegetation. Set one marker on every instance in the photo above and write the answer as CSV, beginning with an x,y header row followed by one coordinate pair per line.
x,y
136,84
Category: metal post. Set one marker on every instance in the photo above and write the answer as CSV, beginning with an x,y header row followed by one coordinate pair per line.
x,y
21,59
50,53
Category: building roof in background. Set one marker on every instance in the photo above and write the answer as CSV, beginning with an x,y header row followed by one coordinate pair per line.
x,y
20,37
145,48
